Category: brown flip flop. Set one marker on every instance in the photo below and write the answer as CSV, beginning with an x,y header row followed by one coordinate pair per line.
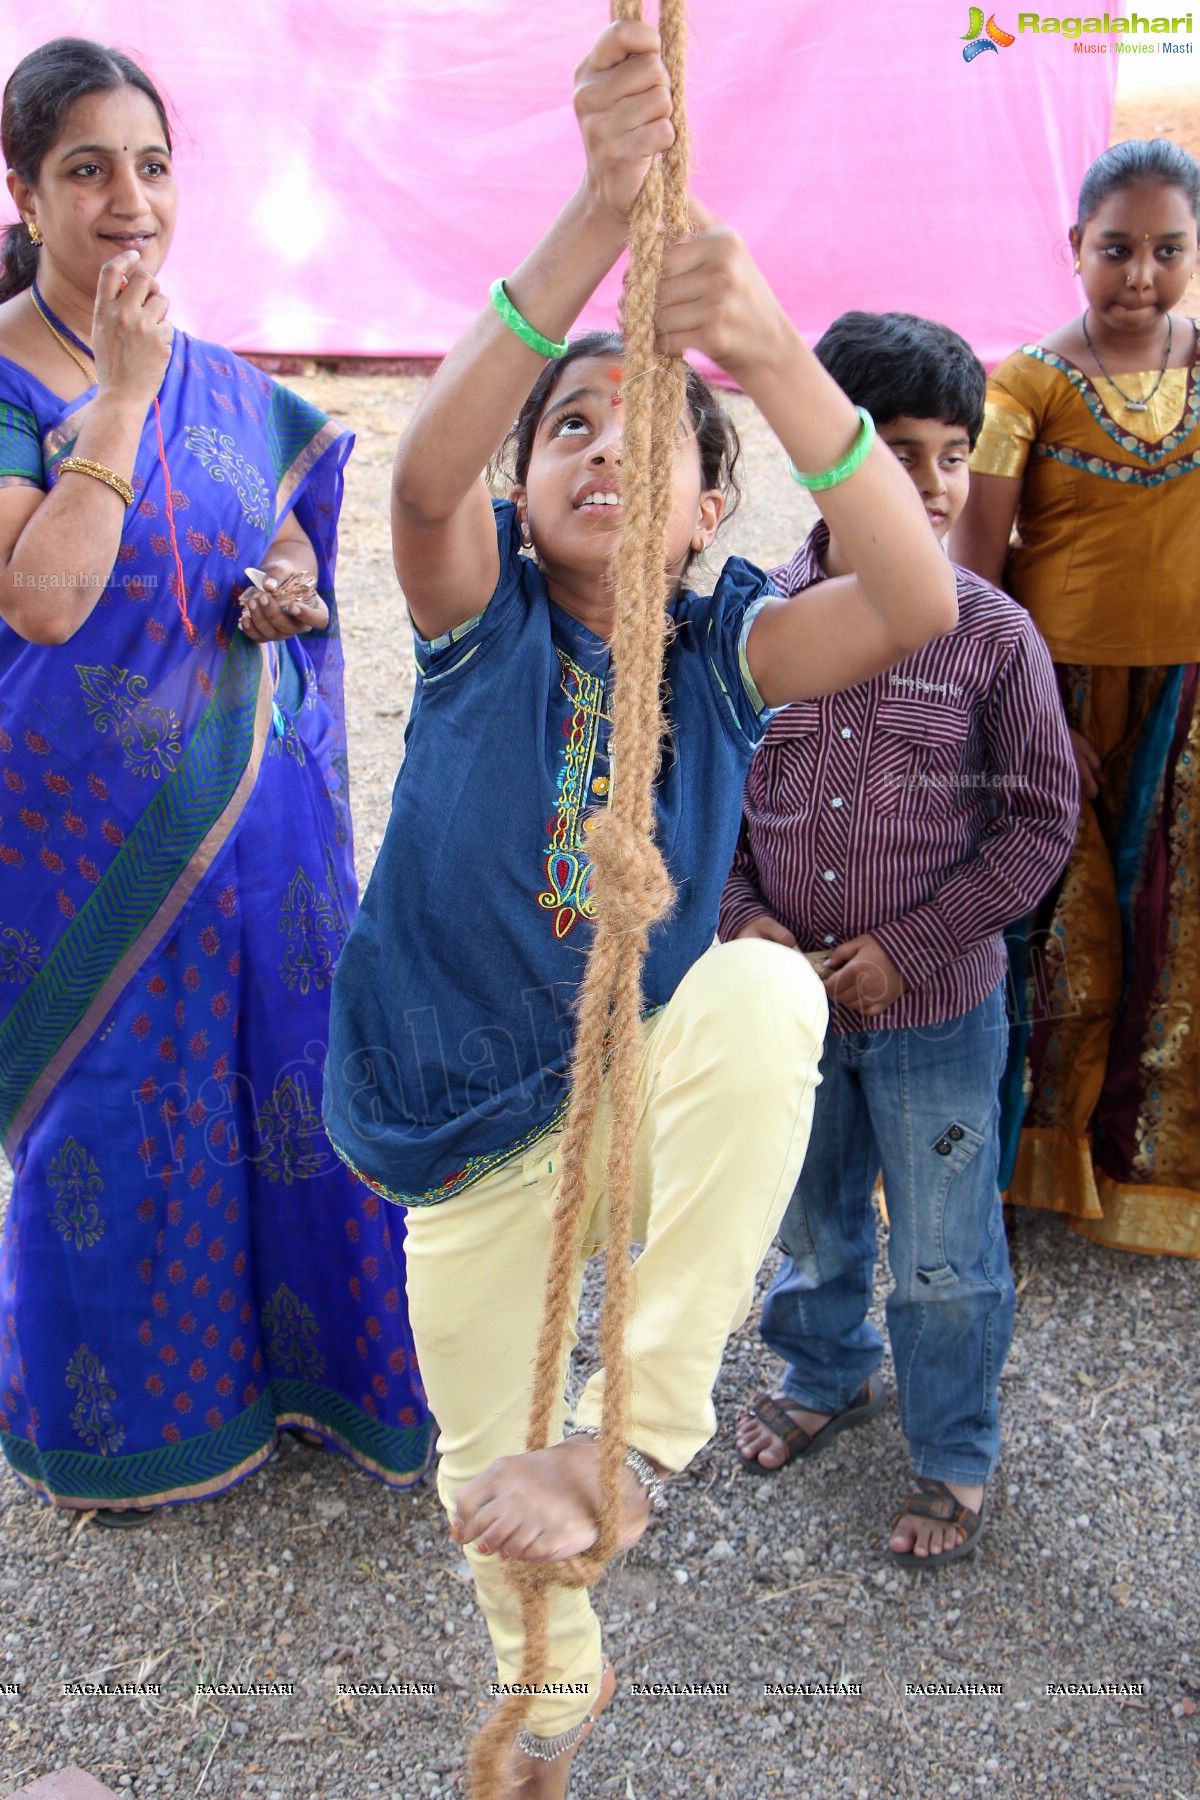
x,y
798,1443
931,1499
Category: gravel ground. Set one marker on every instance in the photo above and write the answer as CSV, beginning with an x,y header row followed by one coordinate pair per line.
x,y
312,1574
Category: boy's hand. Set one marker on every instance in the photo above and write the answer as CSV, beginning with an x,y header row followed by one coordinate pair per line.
x,y
861,974
1089,764
764,926
713,298
623,104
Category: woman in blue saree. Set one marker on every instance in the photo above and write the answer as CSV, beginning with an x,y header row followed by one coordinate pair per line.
x,y
186,1269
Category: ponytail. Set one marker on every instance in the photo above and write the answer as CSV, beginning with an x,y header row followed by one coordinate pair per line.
x,y
18,260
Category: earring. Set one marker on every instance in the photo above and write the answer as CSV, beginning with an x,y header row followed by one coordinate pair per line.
x,y
526,536
35,236
1077,265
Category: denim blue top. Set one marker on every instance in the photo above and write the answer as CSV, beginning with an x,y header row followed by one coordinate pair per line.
x,y
452,1022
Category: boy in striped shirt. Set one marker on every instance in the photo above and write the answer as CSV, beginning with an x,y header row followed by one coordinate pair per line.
x,y
890,833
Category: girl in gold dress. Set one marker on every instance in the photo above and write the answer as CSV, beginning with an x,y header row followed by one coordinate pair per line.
x,y
1091,446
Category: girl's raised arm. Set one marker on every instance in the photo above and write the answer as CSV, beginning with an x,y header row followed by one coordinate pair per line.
x,y
903,591
443,535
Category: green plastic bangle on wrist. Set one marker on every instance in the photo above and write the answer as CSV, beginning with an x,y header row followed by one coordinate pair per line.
x,y
528,334
855,457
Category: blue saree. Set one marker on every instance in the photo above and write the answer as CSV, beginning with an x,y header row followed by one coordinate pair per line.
x,y
186,1267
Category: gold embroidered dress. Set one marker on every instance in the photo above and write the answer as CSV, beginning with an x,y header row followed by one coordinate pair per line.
x,y
1107,559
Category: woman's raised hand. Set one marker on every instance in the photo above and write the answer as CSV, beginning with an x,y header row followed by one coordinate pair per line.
x,y
131,339
713,298
623,104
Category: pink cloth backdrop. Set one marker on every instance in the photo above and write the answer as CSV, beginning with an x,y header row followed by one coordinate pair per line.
x,y
352,177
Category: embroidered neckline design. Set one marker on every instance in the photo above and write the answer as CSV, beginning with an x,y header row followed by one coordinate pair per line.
x,y
1122,473
1090,395
567,868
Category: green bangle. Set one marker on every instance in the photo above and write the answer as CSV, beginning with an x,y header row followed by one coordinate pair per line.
x,y
855,457
528,334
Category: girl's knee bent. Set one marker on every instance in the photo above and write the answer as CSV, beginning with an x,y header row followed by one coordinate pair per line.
x,y
765,1003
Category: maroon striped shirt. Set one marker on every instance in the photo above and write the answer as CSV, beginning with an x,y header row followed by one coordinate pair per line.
x,y
931,806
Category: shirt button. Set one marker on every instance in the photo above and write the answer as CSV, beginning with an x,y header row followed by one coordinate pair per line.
x,y
846,732
600,785
836,801
831,939
830,875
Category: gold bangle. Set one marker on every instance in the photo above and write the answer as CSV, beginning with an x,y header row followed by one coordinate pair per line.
x,y
83,465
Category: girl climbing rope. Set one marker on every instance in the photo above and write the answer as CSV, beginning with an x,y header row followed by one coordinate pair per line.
x,y
549,804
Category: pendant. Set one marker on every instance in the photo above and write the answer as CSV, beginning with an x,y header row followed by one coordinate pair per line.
x,y
1137,406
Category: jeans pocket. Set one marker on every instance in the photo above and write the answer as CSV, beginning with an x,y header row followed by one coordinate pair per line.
x,y
957,1146
952,1153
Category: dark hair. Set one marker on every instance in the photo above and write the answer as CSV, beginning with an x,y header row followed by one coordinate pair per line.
x,y
1139,161
899,365
716,434
40,92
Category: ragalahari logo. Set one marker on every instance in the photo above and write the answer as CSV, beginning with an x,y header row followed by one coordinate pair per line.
x,y
975,43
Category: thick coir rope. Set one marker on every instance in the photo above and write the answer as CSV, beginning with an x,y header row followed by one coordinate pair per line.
x,y
631,889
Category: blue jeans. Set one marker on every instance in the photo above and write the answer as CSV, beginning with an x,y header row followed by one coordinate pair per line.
x,y
922,1105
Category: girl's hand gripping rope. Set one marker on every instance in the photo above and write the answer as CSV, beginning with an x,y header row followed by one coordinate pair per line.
x,y
623,105
713,298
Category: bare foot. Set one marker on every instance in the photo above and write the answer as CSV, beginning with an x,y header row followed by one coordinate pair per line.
x,y
545,1504
756,1443
533,1779
929,1537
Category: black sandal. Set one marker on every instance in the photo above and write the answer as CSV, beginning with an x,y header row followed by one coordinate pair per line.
x,y
932,1499
124,1518
798,1443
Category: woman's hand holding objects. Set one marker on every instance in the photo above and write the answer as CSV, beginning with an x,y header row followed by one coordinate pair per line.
x,y
282,602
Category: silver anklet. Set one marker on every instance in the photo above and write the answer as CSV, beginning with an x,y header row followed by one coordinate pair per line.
x,y
546,1749
654,1484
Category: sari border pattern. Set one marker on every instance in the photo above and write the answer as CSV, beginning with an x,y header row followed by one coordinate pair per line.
x,y
207,1465
57,441
308,458
142,895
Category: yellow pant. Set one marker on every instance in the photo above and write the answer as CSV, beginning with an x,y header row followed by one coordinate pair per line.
x,y
725,1098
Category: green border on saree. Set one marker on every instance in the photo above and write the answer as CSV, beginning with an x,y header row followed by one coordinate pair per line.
x,y
139,880
200,1466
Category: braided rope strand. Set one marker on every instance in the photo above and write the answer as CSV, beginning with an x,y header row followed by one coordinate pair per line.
x,y
632,889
